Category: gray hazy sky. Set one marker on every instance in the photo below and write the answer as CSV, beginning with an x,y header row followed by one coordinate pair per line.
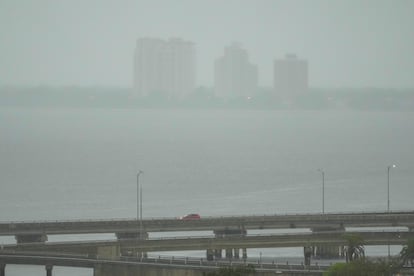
x,y
352,43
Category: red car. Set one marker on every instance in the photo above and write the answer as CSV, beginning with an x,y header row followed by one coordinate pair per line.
x,y
191,216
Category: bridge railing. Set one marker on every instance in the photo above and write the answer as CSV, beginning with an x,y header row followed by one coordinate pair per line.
x,y
123,220
254,262
168,260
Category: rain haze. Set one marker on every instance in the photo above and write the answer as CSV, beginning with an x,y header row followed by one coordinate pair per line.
x,y
211,108
347,43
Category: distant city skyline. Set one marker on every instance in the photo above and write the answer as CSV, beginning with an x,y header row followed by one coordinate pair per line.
x,y
350,43
166,68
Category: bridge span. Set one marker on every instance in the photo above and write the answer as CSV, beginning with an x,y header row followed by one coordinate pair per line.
x,y
314,243
333,238
127,228
152,266
230,234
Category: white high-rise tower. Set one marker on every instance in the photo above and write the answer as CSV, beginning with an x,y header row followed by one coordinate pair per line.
x,y
234,75
290,77
164,67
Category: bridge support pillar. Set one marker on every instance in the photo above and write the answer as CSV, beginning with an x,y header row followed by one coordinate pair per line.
x,y
229,253
30,238
132,236
244,253
308,251
2,269
236,253
228,232
210,254
328,251
49,270
217,253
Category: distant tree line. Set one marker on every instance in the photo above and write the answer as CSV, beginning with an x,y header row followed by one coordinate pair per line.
x,y
204,97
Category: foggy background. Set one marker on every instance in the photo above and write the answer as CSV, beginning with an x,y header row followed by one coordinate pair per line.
x,y
79,163
348,43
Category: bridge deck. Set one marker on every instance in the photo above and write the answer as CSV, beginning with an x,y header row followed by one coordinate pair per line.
x,y
236,241
310,221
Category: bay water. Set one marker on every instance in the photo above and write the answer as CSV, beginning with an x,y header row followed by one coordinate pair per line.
x,y
70,164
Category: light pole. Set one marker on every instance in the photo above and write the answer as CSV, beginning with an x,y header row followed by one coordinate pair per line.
x,y
388,196
388,185
139,203
323,190
260,258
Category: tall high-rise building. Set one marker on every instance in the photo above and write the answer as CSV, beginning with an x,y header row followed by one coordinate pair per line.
x,y
290,77
234,75
164,67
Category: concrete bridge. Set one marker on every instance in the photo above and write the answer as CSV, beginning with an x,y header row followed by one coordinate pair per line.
x,y
132,228
230,234
149,267
94,248
234,246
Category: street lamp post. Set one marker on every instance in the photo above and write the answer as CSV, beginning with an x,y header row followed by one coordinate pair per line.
x,y
323,190
260,258
388,197
139,203
388,185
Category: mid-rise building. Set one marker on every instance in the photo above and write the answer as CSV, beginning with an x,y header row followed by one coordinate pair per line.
x,y
163,67
290,77
234,75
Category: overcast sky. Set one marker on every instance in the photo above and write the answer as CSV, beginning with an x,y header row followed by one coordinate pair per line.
x,y
352,43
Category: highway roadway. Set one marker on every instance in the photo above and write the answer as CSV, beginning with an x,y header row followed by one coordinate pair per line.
x,y
327,221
